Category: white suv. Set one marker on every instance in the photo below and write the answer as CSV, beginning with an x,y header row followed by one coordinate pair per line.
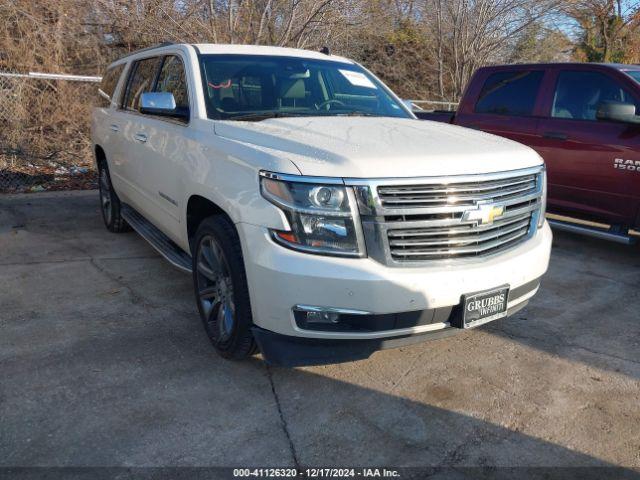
x,y
320,220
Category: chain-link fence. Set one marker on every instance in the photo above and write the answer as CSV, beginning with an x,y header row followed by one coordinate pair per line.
x,y
44,134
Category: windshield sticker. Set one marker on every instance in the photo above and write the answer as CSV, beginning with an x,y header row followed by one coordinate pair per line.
x,y
358,79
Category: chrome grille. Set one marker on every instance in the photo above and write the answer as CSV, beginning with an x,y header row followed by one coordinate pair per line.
x,y
469,194
438,243
413,221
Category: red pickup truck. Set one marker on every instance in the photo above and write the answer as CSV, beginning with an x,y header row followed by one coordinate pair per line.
x,y
583,119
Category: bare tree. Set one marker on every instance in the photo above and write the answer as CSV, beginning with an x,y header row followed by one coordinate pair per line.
x,y
421,48
607,28
472,33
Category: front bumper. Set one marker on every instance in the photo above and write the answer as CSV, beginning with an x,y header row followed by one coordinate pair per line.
x,y
293,351
280,279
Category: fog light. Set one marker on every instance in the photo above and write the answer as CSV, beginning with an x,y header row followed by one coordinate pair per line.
x,y
325,318
322,317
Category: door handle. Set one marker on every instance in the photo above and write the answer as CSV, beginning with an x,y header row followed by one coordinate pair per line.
x,y
114,127
141,137
555,135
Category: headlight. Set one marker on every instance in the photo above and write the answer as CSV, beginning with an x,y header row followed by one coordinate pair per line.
x,y
543,198
322,216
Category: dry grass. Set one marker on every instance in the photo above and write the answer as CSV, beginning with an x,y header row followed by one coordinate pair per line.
x,y
45,139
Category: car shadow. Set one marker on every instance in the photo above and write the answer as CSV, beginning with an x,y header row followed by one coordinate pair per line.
x,y
150,395
587,307
332,422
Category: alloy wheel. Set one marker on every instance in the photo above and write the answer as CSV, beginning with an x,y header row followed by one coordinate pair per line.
x,y
215,289
105,195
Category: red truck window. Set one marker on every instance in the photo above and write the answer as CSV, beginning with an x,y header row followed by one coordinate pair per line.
x,y
578,95
512,92
635,74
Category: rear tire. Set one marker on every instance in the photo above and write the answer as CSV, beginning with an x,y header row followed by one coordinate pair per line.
x,y
110,203
220,285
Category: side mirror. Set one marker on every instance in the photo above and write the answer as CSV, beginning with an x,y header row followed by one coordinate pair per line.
x,y
162,104
617,112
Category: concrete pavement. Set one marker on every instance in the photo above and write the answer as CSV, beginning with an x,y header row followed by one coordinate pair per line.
x,y
104,362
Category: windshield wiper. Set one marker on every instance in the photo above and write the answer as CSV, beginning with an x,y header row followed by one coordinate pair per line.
x,y
356,113
257,117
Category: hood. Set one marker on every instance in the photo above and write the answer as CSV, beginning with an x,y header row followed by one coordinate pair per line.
x,y
370,147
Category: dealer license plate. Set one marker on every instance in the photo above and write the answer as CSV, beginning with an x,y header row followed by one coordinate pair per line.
x,y
485,306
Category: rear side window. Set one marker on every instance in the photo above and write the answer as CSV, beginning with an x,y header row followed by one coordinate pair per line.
x,y
510,93
173,79
141,80
579,94
108,85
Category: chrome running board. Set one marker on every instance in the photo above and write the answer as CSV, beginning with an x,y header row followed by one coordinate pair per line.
x,y
158,240
592,232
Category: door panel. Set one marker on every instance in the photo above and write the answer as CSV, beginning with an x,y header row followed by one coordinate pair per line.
x,y
520,129
132,129
160,158
582,171
107,123
118,159
162,153
581,152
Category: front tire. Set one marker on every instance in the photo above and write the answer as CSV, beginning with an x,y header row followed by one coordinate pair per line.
x,y
220,285
110,203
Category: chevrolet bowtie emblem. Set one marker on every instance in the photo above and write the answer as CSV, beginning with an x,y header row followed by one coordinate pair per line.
x,y
484,214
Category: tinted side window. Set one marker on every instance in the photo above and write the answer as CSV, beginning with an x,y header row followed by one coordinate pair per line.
x,y
141,80
173,79
510,93
578,95
635,74
108,85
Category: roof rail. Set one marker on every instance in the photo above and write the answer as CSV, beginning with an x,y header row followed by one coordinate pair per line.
x,y
161,44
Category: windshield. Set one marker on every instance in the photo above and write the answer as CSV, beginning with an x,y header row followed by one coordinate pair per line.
x,y
635,74
255,87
